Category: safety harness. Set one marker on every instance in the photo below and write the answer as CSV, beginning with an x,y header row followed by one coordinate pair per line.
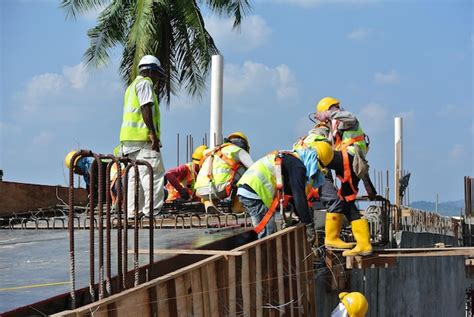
x,y
234,166
347,177
280,197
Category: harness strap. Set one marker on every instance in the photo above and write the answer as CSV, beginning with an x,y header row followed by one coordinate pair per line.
x,y
347,178
261,225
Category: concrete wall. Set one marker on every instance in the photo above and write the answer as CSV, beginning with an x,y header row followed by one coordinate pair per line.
x,y
419,286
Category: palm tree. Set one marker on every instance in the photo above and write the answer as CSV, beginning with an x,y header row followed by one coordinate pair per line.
x,y
172,30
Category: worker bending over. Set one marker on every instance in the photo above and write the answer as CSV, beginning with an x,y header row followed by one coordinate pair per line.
x,y
350,148
222,168
263,187
140,136
181,179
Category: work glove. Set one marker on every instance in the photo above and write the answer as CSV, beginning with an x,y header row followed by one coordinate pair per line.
x,y
184,193
323,116
310,233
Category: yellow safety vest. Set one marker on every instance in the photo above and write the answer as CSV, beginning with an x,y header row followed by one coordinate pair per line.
x,y
222,172
133,125
261,178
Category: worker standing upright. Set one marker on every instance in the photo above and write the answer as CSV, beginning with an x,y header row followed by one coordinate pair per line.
x,y
140,135
181,179
222,168
351,145
263,187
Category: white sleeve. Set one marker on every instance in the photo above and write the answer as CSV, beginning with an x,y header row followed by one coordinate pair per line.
x,y
245,158
144,92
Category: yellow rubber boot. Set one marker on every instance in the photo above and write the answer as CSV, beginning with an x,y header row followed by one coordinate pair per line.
x,y
332,231
360,228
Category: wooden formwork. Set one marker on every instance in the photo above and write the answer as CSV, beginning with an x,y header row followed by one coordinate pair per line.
x,y
268,277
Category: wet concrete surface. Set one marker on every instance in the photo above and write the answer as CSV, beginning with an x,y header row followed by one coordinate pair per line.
x,y
29,257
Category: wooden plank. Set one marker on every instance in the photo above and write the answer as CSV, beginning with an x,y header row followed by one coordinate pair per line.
x,y
360,262
232,288
222,285
181,296
424,249
469,262
189,251
309,258
299,289
423,254
258,281
291,274
196,285
246,284
252,281
162,299
205,291
213,294
189,294
280,273
134,305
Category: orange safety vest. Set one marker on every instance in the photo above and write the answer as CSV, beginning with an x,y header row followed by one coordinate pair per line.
x,y
188,183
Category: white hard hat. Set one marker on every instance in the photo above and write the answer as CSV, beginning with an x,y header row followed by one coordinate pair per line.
x,y
152,63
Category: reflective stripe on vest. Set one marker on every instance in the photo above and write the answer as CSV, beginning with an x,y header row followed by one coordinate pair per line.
x,y
133,126
221,172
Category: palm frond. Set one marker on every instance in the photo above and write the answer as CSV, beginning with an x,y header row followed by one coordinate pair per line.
x,y
232,8
74,7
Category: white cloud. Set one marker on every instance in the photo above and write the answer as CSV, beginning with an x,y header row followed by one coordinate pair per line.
x,y
77,75
450,111
43,138
391,77
258,79
360,34
458,151
253,33
408,116
374,117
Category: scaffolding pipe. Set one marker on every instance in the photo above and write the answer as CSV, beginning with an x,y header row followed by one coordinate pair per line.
x,y
216,100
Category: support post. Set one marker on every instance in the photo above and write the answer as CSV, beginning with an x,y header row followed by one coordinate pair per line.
x,y
398,158
216,100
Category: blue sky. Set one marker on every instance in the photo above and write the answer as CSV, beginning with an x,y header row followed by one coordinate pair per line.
x,y
380,58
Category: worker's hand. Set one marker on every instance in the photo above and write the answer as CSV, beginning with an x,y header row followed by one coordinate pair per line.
x,y
155,142
310,233
184,193
323,116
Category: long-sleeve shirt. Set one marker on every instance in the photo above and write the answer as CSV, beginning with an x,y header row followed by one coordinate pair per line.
x,y
177,175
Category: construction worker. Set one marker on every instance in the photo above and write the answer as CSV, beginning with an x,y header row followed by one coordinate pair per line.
x,y
262,188
351,305
351,146
222,168
140,135
82,166
181,179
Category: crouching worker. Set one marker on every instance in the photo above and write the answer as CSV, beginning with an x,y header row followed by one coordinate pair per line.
x,y
280,173
222,168
352,305
181,179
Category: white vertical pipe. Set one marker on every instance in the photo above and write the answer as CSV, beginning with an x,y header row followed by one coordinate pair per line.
x,y
217,81
398,158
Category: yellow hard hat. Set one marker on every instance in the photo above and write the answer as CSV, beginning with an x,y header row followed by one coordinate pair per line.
x,y
326,103
240,135
355,303
324,150
67,159
199,153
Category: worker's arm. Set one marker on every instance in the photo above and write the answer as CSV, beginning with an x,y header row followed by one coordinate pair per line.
x,y
245,158
176,174
347,121
144,91
295,180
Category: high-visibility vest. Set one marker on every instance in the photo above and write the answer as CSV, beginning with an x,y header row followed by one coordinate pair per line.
x,y
133,125
308,141
261,177
187,183
349,139
225,164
